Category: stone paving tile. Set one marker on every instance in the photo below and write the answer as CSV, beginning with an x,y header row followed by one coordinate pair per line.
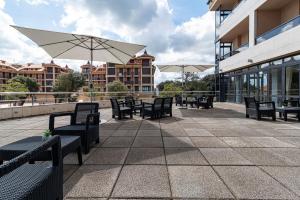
x,y
263,156
291,140
224,156
208,142
107,156
72,158
290,155
68,170
288,176
269,142
184,156
240,142
124,133
142,181
145,132
179,132
177,142
288,132
196,132
118,142
146,156
148,142
92,181
197,182
249,182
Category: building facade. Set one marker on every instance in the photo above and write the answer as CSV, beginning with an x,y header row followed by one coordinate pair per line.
x,y
137,74
44,74
98,76
257,49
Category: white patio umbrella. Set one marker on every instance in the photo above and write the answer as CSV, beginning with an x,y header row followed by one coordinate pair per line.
x,y
81,47
183,69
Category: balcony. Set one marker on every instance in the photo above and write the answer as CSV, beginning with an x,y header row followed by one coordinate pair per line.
x,y
236,51
278,30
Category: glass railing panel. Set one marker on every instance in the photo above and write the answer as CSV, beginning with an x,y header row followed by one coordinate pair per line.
x,y
280,29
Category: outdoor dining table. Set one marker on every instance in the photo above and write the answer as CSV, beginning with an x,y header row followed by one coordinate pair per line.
x,y
288,110
69,144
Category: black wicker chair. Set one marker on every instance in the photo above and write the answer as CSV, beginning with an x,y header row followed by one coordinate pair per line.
x,y
135,104
40,181
84,123
205,102
179,100
120,110
167,106
154,110
259,109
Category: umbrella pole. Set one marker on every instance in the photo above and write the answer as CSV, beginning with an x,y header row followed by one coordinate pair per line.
x,y
91,68
182,77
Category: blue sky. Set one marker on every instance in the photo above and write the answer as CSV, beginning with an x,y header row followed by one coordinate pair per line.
x,y
174,31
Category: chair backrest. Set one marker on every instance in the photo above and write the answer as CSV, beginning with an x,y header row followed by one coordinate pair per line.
x,y
210,99
168,101
82,110
114,104
129,101
158,103
250,102
293,102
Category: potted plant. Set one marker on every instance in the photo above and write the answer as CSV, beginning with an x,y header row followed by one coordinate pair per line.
x,y
46,134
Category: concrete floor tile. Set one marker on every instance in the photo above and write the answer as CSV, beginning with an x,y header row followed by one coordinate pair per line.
x,y
288,176
178,142
291,140
143,181
92,181
146,156
196,182
208,142
240,142
249,182
125,132
118,142
223,156
179,132
153,133
148,142
184,156
107,156
196,132
263,156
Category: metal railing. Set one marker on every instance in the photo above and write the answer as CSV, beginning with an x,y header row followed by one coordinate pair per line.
x,y
243,47
12,99
279,29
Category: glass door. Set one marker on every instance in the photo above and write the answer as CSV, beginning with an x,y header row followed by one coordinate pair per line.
x,y
253,84
264,86
292,81
276,84
238,94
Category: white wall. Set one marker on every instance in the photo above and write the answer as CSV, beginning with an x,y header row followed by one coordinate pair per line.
x,y
283,44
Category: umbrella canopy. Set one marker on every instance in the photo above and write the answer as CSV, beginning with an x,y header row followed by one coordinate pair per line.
x,y
183,68
81,47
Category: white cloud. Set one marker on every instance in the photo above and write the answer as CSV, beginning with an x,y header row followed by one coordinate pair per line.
x,y
148,22
2,4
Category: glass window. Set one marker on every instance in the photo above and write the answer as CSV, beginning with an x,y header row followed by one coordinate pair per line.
x,y
297,57
275,84
292,81
146,80
146,71
146,62
111,71
253,84
263,82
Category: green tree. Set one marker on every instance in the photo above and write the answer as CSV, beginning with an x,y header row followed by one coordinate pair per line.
x,y
31,84
13,86
117,86
161,85
69,82
171,89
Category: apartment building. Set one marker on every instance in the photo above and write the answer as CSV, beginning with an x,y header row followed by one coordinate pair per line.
x,y
45,74
137,74
98,76
257,49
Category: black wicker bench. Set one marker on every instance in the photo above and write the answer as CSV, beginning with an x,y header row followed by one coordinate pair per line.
x,y
40,181
69,144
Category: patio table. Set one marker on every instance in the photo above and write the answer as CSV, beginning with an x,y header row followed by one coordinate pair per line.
x,y
288,110
68,144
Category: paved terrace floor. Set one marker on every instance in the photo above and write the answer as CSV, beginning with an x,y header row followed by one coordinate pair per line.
x,y
215,153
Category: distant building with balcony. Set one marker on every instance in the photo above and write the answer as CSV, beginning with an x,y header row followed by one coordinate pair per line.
x,y
137,74
257,47
98,76
44,74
